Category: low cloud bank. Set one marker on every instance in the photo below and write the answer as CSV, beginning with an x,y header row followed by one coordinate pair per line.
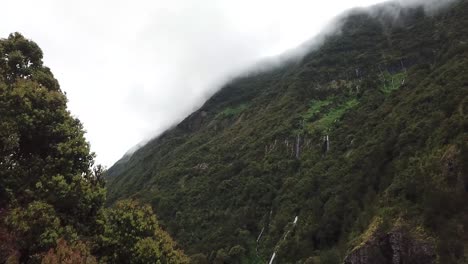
x,y
244,66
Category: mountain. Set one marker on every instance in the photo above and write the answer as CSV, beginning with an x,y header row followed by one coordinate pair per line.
x,y
355,153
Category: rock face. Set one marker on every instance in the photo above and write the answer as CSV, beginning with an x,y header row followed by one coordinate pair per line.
x,y
396,247
194,121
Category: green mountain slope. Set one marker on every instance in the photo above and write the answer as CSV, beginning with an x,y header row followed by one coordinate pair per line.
x,y
357,152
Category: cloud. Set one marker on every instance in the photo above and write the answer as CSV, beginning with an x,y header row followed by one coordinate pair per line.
x,y
131,69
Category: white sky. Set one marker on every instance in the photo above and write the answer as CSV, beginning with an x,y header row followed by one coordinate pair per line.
x,y
132,68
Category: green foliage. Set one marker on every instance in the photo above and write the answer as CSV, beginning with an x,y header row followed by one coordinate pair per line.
x,y
49,186
233,111
41,139
329,118
392,82
132,235
315,108
221,257
330,257
45,162
8,248
199,258
65,253
20,58
237,254
37,225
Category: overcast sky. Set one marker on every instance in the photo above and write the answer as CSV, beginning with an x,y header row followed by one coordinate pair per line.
x,y
132,68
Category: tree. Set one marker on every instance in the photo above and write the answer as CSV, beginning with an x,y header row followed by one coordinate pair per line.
x,y
132,234
47,185
43,151
51,194
37,227
66,253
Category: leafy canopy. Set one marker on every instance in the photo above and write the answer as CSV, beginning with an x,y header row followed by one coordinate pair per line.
x,y
51,194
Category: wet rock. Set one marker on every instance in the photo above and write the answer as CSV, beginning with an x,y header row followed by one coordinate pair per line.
x,y
450,166
194,122
395,247
201,166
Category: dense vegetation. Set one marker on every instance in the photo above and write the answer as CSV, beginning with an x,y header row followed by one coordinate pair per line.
x,y
313,160
51,195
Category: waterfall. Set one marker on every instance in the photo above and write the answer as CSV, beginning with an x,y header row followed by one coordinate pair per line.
x,y
272,258
259,236
298,145
328,144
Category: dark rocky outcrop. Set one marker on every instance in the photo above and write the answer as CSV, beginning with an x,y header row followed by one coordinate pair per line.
x,y
194,121
395,247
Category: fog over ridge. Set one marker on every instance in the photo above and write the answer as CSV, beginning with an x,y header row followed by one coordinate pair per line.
x,y
132,69
333,27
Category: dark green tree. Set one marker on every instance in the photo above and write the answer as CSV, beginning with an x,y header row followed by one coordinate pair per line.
x,y
40,138
45,161
132,235
51,194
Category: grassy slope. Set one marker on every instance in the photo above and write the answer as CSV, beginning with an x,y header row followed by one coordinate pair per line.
x,y
392,100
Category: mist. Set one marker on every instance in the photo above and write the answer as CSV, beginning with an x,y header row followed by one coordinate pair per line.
x,y
133,69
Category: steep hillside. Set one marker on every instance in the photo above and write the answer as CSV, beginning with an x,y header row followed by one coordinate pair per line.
x,y
354,153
